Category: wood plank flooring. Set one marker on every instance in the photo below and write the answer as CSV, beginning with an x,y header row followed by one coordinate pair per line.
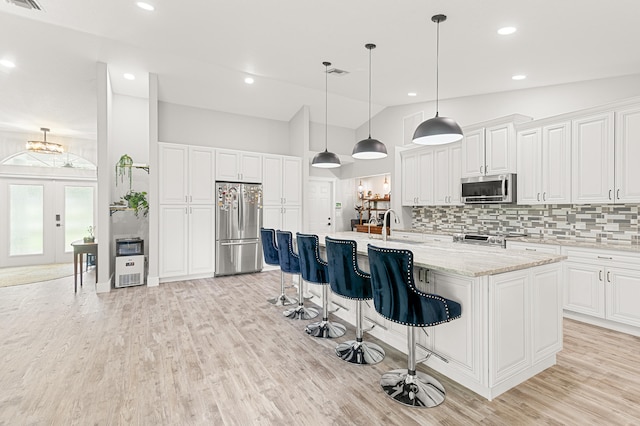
x,y
214,352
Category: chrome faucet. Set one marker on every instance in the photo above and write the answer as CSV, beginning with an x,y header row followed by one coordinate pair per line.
x,y
372,221
384,223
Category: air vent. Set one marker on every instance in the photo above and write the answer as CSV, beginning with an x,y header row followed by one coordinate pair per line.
x,y
27,4
337,72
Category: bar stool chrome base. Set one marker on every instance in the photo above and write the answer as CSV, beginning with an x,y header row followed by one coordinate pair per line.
x,y
325,329
361,353
283,300
301,312
414,390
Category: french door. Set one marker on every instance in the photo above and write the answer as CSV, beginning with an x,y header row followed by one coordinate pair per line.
x,y
42,218
321,207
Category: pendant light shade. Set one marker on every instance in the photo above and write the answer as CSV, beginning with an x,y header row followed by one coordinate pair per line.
x,y
326,159
369,149
437,130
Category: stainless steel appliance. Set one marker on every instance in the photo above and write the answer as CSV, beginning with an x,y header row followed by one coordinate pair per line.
x,y
130,264
489,189
486,240
238,222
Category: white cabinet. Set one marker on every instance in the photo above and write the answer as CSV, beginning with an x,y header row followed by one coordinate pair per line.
x,y
186,240
544,164
592,147
282,193
603,284
490,148
417,170
627,153
446,174
186,174
186,210
238,166
540,248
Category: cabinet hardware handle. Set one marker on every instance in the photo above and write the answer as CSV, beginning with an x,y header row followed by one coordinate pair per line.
x,y
285,201
618,194
186,210
190,197
538,196
530,249
605,257
600,275
608,276
437,239
544,196
480,169
190,210
185,199
609,194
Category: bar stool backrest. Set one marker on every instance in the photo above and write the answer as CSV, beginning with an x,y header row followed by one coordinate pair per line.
x,y
395,295
269,248
289,261
312,268
345,277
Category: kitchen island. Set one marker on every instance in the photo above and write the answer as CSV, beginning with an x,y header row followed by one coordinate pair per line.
x,y
511,323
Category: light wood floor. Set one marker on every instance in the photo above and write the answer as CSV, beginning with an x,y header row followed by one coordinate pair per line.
x,y
214,352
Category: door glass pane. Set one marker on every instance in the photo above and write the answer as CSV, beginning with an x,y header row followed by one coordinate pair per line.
x,y
78,211
26,219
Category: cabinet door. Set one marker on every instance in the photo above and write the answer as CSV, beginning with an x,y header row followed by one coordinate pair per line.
x,y
272,180
529,146
173,240
556,164
201,175
409,179
292,181
251,167
455,173
440,176
272,217
473,163
227,165
201,239
627,143
424,176
584,288
500,149
623,294
592,162
546,315
291,219
172,173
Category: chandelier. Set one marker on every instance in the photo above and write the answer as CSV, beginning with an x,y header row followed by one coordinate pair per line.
x,y
44,146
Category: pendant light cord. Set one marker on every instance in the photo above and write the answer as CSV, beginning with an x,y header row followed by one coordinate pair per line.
x,y
326,103
369,47
438,68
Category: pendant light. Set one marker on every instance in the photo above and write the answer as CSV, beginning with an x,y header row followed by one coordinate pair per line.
x,y
326,159
44,147
369,149
437,130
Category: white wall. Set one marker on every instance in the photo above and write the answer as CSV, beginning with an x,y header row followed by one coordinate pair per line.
x,y
196,126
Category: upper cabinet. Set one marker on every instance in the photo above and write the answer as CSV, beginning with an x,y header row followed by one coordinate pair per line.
x,y
627,153
446,174
490,148
282,192
544,159
417,170
186,174
238,166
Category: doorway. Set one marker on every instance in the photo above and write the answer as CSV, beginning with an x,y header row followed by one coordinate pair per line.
x,y
42,218
320,193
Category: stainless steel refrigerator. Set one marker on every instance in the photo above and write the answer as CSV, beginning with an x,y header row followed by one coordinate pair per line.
x,y
238,222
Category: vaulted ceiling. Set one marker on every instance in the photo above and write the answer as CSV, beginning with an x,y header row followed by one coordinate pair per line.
x,y
203,50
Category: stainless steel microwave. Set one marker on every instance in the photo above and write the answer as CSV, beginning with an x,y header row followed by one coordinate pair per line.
x,y
489,189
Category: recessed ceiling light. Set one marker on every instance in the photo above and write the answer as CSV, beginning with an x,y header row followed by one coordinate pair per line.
x,y
7,63
412,94
519,77
129,76
145,6
248,80
507,30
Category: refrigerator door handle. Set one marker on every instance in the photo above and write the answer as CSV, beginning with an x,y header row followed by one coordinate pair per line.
x,y
241,208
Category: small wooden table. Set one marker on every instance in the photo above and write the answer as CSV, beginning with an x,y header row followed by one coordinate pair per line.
x,y
80,248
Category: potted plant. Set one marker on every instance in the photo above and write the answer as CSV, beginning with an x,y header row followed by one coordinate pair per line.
x,y
91,238
123,168
138,201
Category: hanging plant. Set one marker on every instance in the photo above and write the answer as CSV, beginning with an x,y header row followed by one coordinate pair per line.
x,y
123,168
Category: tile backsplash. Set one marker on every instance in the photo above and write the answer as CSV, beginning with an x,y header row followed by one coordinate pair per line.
x,y
588,223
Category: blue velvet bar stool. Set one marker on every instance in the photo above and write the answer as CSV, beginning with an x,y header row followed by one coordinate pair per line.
x,y
271,257
396,298
314,270
349,281
290,263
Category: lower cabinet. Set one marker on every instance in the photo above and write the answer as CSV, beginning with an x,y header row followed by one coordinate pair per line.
x,y
603,285
187,240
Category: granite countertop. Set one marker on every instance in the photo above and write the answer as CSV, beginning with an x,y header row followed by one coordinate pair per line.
x,y
462,259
